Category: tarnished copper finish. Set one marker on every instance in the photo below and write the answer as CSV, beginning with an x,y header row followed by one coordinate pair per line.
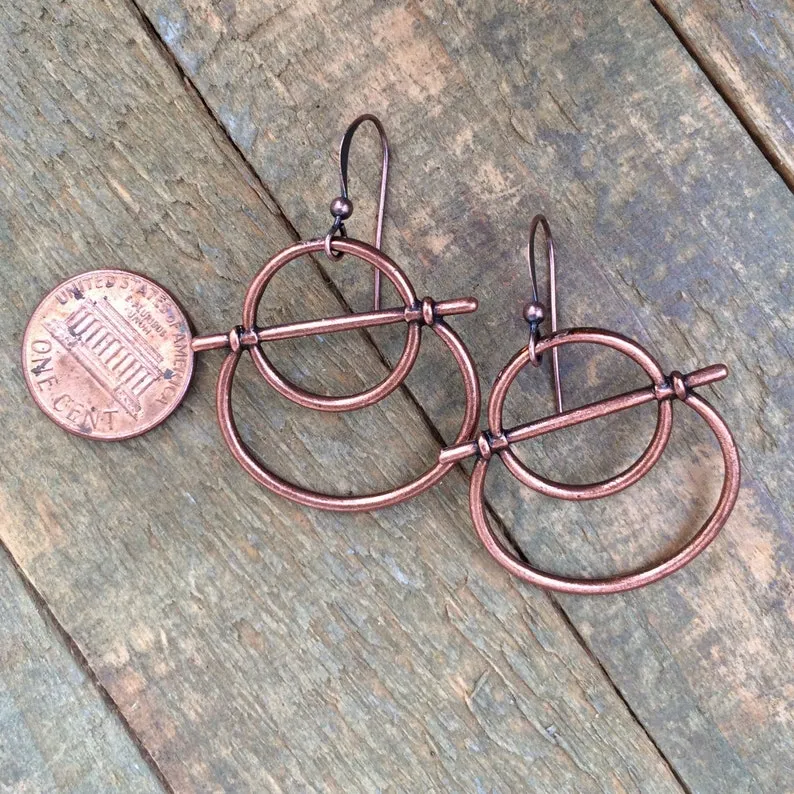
x,y
107,354
342,207
415,312
663,389
75,370
535,305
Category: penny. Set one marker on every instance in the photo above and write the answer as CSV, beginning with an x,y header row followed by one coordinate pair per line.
x,y
107,355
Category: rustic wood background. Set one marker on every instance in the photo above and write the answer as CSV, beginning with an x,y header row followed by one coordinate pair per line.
x,y
168,625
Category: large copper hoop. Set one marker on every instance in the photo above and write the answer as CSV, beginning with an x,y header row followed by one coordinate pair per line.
x,y
415,313
305,496
639,578
663,390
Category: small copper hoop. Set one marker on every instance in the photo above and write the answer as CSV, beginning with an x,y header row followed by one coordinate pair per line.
x,y
304,496
642,577
320,402
624,479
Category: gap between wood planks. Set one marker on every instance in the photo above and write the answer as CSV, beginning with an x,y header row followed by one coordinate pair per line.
x,y
250,171
52,622
261,188
732,102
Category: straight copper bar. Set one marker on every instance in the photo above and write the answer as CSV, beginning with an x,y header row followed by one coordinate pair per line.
x,y
577,416
596,410
347,322
210,342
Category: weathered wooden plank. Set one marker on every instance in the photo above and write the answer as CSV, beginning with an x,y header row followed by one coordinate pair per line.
x,y
747,50
58,733
252,645
671,227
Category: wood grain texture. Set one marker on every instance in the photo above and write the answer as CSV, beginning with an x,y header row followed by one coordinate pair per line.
x,y
252,645
58,733
671,228
747,49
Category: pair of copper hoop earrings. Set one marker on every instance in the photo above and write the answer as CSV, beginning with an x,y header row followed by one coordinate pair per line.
x,y
76,334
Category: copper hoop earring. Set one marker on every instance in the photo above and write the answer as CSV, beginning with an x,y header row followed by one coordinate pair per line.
x,y
416,313
662,389
108,354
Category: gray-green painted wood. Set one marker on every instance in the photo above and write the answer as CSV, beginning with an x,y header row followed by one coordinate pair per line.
x,y
747,50
252,645
672,227
58,734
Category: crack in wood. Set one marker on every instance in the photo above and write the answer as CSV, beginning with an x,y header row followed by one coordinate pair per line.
x,y
734,103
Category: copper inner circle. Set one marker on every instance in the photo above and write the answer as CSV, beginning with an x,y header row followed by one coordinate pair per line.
x,y
321,402
624,479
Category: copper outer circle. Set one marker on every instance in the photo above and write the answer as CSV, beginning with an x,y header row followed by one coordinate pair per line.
x,y
624,479
644,576
321,402
304,496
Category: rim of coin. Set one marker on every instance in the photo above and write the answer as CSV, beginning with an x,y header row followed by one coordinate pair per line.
x,y
151,414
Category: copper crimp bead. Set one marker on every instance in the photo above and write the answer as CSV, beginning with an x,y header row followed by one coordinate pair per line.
x,y
498,443
534,313
487,444
428,311
341,208
240,337
679,385
484,446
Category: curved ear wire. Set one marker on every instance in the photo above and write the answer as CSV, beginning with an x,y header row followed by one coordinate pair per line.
x,y
535,312
342,207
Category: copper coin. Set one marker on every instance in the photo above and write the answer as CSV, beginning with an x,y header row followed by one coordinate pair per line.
x,y
107,354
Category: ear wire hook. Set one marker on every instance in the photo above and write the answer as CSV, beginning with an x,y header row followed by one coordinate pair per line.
x,y
535,311
342,206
